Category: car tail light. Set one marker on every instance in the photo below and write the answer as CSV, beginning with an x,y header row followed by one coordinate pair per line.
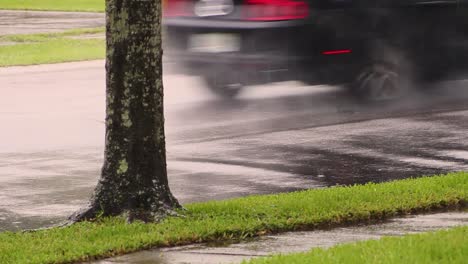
x,y
175,8
336,52
275,10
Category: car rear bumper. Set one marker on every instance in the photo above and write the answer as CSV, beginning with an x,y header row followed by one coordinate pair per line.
x,y
269,51
197,23
256,68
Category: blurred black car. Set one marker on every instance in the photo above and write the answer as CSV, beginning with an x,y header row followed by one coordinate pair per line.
x,y
376,47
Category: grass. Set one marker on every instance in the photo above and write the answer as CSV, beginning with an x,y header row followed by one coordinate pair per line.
x,y
47,36
238,219
54,5
441,247
51,47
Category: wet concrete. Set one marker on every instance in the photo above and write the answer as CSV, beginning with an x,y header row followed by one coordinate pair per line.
x,y
275,138
28,22
291,242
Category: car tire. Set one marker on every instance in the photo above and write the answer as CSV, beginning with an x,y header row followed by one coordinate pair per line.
x,y
385,77
226,85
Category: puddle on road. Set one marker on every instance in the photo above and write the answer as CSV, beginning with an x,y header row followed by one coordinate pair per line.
x,y
292,242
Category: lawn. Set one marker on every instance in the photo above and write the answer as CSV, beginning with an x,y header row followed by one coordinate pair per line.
x,y
441,247
239,219
51,47
54,5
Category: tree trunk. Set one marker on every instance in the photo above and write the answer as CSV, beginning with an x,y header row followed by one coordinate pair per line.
x,y
134,176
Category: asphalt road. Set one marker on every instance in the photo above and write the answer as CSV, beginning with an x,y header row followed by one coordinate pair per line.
x,y
28,22
274,138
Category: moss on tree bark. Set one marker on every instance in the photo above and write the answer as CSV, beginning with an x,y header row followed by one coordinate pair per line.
x,y
134,176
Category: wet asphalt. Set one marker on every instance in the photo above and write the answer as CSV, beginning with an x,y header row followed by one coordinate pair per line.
x,y
275,138
29,22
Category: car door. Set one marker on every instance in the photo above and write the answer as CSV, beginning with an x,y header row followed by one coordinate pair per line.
x,y
439,37
462,36
423,31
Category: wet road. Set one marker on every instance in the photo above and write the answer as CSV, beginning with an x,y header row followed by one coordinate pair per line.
x,y
275,138
28,22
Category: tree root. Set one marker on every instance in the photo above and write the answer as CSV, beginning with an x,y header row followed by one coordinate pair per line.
x,y
91,213
85,214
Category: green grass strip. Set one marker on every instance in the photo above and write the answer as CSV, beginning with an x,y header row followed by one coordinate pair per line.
x,y
238,219
441,247
54,5
44,48
42,37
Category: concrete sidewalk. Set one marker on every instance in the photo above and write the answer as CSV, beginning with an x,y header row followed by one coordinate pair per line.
x,y
291,242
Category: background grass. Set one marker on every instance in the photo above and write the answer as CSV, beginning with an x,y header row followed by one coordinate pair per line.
x,y
54,5
238,219
38,37
441,247
51,48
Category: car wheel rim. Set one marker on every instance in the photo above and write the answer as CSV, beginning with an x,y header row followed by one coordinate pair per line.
x,y
379,84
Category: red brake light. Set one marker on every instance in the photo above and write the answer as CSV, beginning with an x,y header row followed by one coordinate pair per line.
x,y
275,10
336,52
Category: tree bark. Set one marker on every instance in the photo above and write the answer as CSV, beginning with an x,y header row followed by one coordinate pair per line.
x,y
134,181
